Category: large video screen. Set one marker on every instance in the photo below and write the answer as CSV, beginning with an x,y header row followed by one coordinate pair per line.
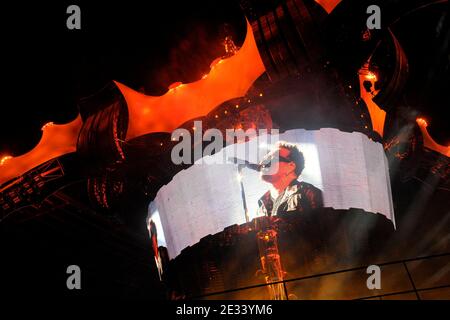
x,y
347,170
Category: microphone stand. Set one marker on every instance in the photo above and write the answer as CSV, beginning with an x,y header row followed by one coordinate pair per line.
x,y
267,240
244,201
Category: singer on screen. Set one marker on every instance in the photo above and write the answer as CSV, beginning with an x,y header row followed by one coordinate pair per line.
x,y
281,168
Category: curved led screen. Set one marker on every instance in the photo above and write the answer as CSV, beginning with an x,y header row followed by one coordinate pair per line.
x,y
350,170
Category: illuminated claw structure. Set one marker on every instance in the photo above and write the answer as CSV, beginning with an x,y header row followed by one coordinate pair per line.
x,y
56,141
229,78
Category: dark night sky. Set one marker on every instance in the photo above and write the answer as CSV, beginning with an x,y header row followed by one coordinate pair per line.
x,y
47,68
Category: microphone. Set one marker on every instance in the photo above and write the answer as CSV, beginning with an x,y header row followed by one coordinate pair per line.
x,y
245,163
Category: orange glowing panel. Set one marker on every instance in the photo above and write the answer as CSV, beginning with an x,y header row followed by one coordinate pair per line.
x,y
56,140
228,78
428,141
377,115
328,5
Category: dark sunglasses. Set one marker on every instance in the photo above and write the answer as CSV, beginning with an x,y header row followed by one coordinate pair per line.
x,y
267,163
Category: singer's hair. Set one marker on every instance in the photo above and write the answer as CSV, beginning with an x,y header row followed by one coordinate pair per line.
x,y
294,154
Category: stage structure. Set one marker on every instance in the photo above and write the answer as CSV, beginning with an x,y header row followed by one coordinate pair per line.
x,y
292,73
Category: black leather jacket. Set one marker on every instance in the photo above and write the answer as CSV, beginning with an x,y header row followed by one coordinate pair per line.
x,y
297,197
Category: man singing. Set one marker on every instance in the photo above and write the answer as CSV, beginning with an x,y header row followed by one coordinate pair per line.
x,y
281,168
